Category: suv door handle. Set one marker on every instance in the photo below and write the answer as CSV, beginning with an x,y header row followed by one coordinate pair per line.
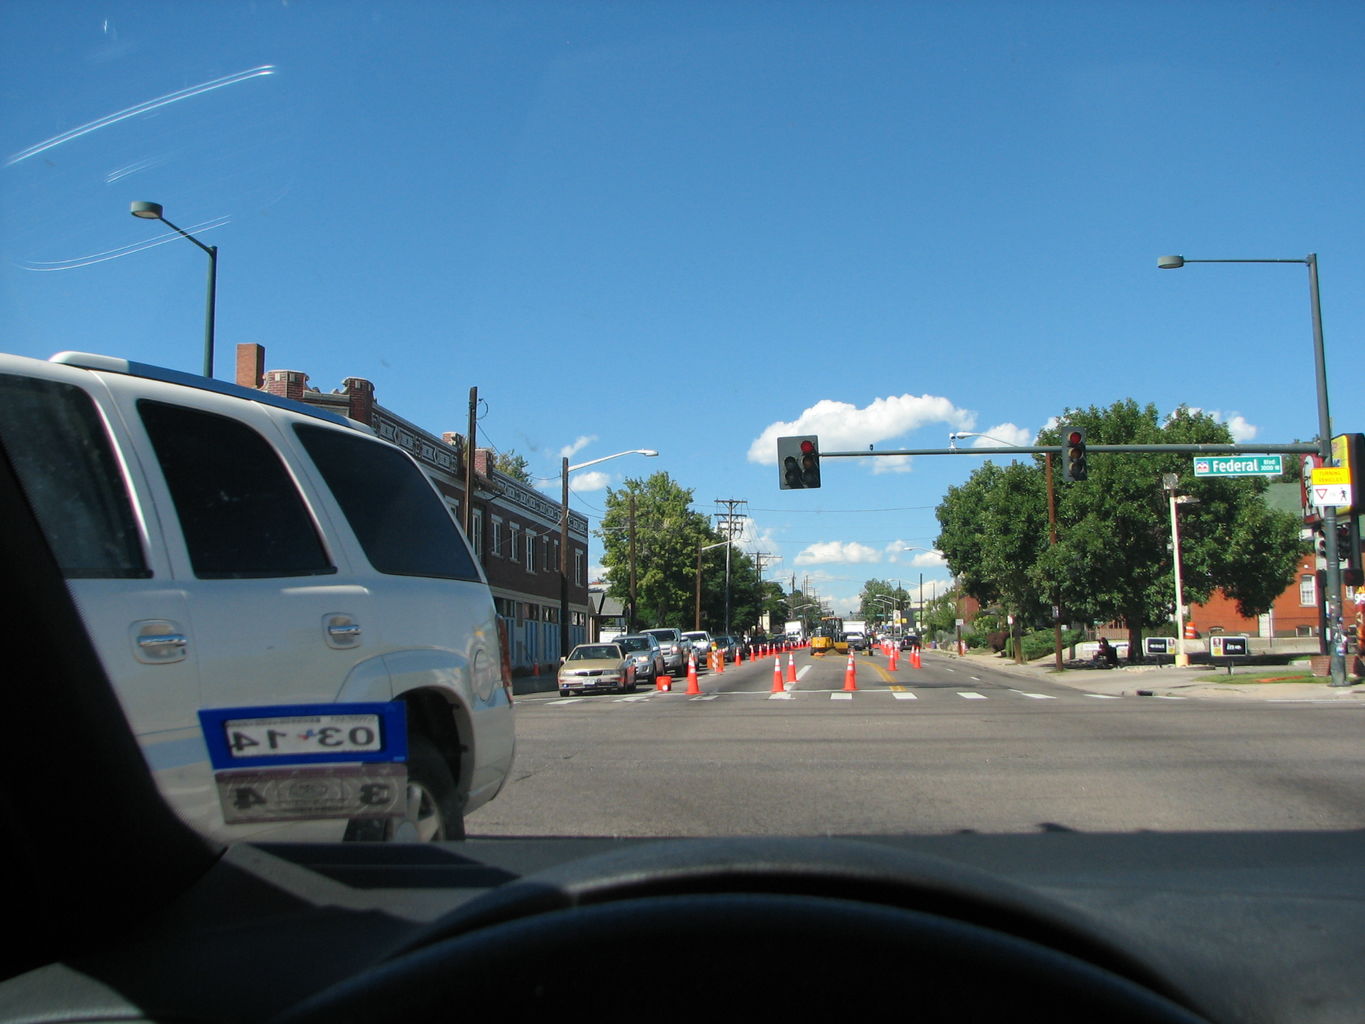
x,y
341,631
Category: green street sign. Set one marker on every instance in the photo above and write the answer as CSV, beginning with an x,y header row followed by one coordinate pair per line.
x,y
1238,465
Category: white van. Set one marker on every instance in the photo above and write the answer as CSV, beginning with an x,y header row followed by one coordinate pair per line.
x,y
292,620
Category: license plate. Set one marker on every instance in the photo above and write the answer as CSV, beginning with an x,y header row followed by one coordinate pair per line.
x,y
304,734
303,794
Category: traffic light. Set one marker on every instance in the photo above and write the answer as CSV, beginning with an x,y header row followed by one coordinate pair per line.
x,y
1075,453
798,462
1349,551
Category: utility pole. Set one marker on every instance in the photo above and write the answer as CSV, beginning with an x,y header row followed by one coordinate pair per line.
x,y
630,617
730,523
469,448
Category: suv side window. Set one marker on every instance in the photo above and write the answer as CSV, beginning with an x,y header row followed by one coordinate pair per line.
x,y
64,458
402,524
240,512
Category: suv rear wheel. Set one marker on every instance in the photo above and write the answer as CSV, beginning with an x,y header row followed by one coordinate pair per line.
x,y
433,811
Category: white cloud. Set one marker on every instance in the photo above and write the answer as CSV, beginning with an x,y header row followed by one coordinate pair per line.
x,y
891,464
843,426
581,483
1241,429
897,549
1003,433
837,551
570,450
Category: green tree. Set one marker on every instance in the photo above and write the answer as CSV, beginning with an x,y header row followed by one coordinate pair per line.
x,y
880,599
1113,560
509,463
993,531
668,534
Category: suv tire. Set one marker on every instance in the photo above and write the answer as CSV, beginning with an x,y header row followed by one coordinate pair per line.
x,y
434,812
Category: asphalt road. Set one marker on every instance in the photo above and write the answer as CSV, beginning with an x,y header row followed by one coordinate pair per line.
x,y
955,746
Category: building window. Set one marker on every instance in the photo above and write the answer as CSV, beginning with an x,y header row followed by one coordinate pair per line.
x,y
530,552
514,548
476,532
1308,590
578,567
498,531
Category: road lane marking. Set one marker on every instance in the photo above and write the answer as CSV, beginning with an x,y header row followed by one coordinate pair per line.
x,y
566,700
971,695
633,697
840,695
705,696
784,695
904,695
1104,696
1035,696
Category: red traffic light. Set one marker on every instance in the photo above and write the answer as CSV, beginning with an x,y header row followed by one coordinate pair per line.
x,y
807,447
1075,437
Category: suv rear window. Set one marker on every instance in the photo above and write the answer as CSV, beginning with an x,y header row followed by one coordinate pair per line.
x,y
395,513
58,445
240,512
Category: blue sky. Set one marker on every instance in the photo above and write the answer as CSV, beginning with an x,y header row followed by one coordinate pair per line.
x,y
693,226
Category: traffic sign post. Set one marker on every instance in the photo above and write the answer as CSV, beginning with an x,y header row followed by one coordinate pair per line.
x,y
1229,649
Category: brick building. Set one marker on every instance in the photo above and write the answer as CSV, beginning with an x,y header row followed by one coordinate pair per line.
x,y
514,531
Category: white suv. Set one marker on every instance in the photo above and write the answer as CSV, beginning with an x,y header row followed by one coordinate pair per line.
x,y
289,614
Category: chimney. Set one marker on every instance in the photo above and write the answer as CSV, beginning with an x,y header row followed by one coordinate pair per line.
x,y
286,383
360,395
250,365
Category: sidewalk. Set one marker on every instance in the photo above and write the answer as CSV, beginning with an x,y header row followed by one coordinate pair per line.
x,y
1202,681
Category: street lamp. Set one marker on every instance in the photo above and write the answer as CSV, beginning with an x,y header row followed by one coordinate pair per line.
x,y
960,435
564,471
1334,641
152,211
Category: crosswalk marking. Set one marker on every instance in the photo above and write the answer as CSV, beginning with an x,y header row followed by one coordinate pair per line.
x,y
971,695
904,695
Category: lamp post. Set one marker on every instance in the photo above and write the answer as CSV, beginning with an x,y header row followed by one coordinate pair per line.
x,y
696,613
1333,641
152,211
1169,481
564,471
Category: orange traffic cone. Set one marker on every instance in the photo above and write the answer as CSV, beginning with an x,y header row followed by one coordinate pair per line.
x,y
692,688
720,662
791,667
914,657
777,678
894,655
851,675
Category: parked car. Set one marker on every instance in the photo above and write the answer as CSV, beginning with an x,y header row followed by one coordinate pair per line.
x,y
593,667
675,648
701,644
234,556
644,650
910,641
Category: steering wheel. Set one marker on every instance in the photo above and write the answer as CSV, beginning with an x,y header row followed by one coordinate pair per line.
x,y
765,926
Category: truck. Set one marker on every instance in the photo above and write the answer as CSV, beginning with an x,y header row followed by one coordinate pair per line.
x,y
796,628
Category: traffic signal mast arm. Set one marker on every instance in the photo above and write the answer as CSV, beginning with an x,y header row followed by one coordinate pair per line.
x,y
1057,449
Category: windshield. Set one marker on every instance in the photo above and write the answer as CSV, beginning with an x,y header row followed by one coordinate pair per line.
x,y
596,652
339,279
